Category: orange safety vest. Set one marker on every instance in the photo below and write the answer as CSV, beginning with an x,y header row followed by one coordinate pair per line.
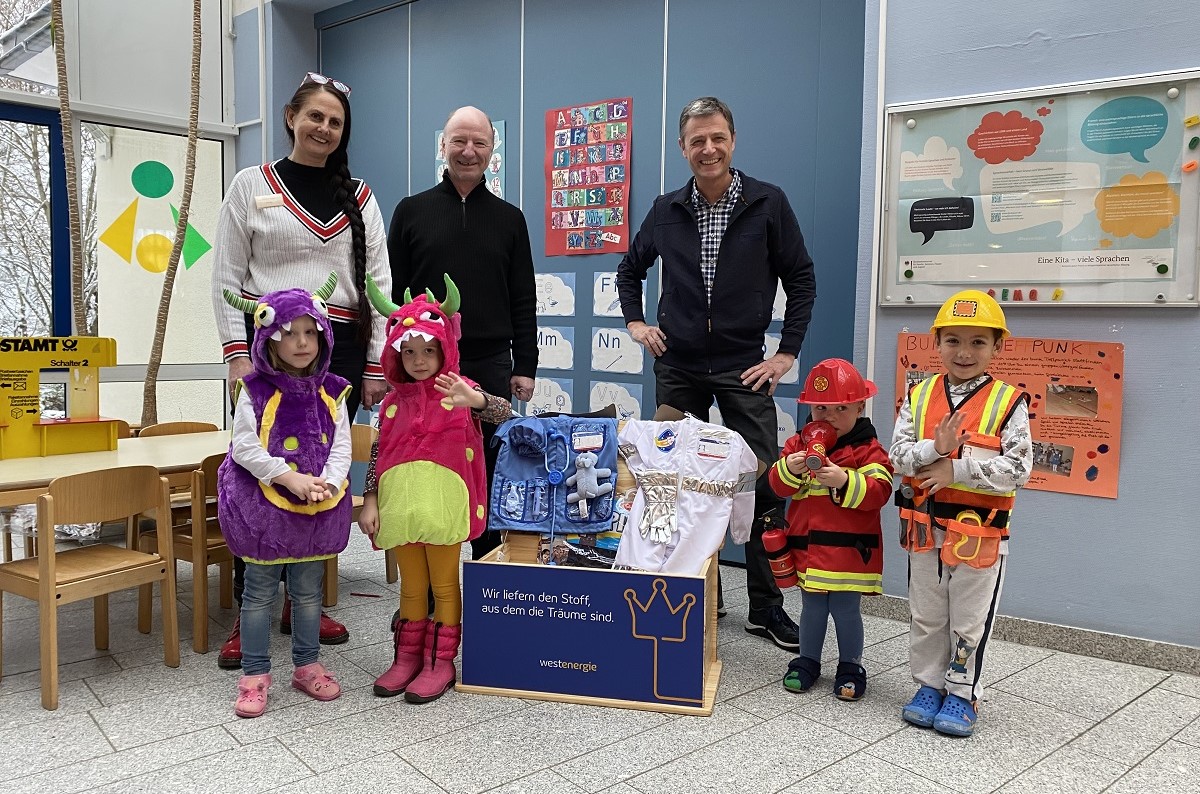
x,y
975,520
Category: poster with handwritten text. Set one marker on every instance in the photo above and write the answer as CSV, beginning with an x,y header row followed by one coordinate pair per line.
x,y
1074,389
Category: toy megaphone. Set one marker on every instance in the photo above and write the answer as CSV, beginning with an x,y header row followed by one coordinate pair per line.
x,y
817,438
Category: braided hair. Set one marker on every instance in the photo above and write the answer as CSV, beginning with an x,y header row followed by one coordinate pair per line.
x,y
338,167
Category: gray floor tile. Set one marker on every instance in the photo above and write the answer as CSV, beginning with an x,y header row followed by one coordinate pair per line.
x,y
72,671
1056,682
252,767
392,725
1069,769
283,717
748,664
1174,767
622,788
865,774
25,708
383,773
1141,727
736,763
1182,683
543,782
157,679
642,752
869,719
1190,734
1012,735
54,742
537,737
115,767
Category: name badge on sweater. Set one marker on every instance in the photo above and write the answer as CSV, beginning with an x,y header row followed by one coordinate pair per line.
x,y
713,448
265,202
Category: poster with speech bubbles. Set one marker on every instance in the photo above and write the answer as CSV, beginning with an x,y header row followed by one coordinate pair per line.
x,y
1084,196
587,178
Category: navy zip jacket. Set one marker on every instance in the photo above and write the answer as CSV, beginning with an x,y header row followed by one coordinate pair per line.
x,y
762,247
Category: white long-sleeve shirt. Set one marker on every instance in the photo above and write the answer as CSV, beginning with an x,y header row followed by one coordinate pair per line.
x,y
249,453
265,241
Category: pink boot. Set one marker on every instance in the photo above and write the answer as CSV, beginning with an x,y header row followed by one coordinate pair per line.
x,y
315,681
441,646
410,641
252,695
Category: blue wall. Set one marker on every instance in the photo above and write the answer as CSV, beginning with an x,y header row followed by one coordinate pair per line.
x,y
1126,566
804,138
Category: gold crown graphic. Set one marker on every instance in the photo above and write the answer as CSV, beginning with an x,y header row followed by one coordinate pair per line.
x,y
659,600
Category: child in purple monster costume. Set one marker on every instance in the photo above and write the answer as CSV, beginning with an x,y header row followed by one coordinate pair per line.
x,y
426,489
282,488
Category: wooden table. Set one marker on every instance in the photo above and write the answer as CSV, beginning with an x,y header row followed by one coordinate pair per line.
x,y
23,480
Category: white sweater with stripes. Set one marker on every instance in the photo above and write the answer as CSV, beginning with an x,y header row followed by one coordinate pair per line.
x,y
266,241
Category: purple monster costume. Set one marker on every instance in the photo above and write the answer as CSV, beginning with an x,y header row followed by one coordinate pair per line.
x,y
296,421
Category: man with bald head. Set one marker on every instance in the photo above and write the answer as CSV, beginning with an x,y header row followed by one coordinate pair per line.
x,y
460,228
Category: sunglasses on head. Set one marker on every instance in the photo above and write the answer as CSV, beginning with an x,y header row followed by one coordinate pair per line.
x,y
320,79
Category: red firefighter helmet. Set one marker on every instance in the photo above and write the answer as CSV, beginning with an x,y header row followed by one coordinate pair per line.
x,y
835,381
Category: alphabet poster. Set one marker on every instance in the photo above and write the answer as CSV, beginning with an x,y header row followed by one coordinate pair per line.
x,y
1074,392
587,178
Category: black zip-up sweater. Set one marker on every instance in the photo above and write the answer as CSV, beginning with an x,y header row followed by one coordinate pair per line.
x,y
482,242
762,247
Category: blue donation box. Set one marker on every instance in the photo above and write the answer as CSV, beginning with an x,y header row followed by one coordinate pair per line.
x,y
619,638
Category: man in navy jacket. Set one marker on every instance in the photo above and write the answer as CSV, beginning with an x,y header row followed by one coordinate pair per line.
x,y
726,241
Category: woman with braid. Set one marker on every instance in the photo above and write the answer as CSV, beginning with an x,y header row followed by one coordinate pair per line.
x,y
291,222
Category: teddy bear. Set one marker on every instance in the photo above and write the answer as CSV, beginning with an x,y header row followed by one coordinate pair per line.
x,y
586,481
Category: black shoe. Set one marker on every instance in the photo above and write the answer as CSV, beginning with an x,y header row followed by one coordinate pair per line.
x,y
721,610
774,624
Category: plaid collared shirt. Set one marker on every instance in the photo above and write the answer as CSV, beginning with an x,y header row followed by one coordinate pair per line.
x,y
712,221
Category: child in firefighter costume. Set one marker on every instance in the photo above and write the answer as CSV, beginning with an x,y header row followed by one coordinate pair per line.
x,y
282,487
962,444
834,534
426,489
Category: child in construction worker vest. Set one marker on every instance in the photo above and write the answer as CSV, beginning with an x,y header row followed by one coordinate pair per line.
x,y
962,444
834,549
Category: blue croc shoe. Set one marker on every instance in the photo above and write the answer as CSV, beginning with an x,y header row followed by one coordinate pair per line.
x,y
923,708
956,717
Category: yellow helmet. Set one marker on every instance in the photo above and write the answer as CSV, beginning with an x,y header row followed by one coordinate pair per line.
x,y
971,307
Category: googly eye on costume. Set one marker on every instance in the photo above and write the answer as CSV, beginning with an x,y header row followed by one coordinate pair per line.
x,y
320,306
430,317
264,315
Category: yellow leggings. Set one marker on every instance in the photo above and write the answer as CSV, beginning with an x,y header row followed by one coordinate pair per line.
x,y
421,567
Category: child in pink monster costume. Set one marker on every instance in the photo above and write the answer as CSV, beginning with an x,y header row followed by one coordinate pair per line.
x,y
426,489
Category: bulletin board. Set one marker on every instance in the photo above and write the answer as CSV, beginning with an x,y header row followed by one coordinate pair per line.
x,y
1086,194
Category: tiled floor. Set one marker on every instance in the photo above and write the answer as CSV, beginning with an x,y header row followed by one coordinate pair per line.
x,y
1053,721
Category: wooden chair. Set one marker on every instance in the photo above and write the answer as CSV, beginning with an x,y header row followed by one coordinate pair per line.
x,y
181,500
123,429
176,428
200,542
361,439
55,578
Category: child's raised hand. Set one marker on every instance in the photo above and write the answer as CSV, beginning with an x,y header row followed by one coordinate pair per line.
x,y
458,391
936,475
949,435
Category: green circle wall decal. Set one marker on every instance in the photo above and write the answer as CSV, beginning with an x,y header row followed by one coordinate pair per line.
x,y
152,179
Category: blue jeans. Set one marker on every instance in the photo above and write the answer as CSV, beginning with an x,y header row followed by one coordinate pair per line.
x,y
258,603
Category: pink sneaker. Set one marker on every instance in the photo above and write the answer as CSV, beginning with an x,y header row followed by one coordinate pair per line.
x,y
252,695
314,681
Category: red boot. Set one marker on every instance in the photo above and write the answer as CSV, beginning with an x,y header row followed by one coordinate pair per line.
x,y
332,632
230,657
410,641
441,646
